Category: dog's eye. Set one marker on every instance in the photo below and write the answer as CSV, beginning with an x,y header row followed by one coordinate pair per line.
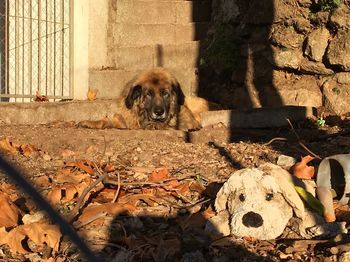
x,y
149,93
164,93
269,196
242,197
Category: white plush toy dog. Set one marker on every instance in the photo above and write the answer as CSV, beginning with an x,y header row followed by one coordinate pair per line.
x,y
258,202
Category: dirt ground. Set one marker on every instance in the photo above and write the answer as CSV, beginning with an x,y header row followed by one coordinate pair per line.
x,y
153,219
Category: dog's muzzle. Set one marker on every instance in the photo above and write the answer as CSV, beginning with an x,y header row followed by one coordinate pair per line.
x,y
158,114
252,219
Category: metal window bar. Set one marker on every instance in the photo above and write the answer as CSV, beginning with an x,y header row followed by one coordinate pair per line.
x,y
35,49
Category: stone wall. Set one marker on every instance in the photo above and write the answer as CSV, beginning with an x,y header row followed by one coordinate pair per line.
x,y
294,52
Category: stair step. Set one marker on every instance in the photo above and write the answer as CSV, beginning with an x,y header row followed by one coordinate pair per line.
x,y
152,34
110,83
163,12
184,55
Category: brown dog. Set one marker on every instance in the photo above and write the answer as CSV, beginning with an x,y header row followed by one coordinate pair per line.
x,y
154,100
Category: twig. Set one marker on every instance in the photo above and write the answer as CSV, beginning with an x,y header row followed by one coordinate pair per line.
x,y
118,189
110,181
301,143
76,209
91,219
275,139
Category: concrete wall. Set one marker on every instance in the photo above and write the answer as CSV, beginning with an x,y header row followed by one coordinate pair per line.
x,y
127,36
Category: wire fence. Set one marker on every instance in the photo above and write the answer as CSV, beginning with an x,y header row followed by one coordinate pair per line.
x,y
35,49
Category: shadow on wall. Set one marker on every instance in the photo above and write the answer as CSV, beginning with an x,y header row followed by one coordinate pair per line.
x,y
235,70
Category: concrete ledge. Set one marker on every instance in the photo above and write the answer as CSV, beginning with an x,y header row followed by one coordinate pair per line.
x,y
46,112
259,117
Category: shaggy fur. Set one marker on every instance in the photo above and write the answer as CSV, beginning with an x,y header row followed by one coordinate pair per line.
x,y
153,100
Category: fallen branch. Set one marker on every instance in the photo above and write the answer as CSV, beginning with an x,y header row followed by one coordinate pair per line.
x,y
75,211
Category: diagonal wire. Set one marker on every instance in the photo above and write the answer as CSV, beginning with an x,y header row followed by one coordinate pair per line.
x,y
18,176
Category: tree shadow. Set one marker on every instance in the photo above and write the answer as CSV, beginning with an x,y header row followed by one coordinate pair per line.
x,y
234,66
182,236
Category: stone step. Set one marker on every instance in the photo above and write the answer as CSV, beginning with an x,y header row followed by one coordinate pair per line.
x,y
162,12
170,56
152,34
110,83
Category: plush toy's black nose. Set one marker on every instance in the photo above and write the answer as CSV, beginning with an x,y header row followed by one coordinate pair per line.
x,y
252,219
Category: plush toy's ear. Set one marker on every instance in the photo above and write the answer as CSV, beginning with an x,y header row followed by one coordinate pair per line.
x,y
221,200
178,91
134,93
286,186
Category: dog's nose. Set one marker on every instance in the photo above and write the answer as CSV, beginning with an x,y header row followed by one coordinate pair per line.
x,y
252,219
158,111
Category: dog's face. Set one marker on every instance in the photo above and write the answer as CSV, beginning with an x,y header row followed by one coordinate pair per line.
x,y
257,203
156,95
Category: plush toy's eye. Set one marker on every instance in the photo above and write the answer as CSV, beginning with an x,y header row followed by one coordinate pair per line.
x,y
242,197
269,196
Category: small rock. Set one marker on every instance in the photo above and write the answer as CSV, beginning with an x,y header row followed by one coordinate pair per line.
x,y
345,257
339,50
46,157
341,16
302,25
317,43
121,256
336,97
195,256
285,58
28,219
138,149
343,78
287,37
286,161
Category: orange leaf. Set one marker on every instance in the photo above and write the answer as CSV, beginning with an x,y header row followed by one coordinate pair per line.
x,y
6,145
92,94
95,211
40,98
85,165
9,212
39,233
302,170
27,150
159,174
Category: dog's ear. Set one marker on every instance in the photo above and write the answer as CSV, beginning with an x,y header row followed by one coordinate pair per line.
x,y
178,91
134,93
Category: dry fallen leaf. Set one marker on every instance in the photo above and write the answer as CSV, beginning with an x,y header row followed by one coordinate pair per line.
x,y
40,98
92,94
94,211
7,146
85,165
39,233
159,174
9,212
302,170
27,150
